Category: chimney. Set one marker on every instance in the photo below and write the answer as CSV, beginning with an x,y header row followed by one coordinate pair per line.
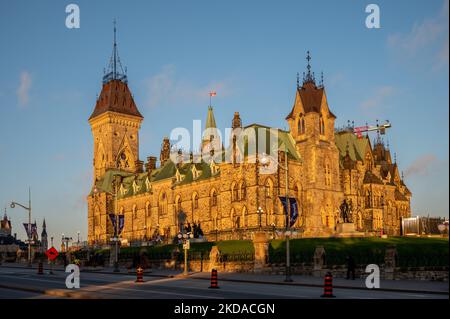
x,y
165,151
151,163
139,166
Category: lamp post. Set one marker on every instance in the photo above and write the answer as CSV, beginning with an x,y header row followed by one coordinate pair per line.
x,y
260,211
78,240
13,204
51,261
186,246
265,162
116,213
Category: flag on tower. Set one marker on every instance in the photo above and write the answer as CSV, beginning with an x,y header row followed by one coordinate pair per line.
x,y
213,93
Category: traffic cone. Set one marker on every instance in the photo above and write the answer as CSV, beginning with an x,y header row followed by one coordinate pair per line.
x,y
139,274
40,269
214,282
328,286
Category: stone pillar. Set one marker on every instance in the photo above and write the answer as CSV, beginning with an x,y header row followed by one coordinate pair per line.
x,y
390,262
214,256
319,261
261,245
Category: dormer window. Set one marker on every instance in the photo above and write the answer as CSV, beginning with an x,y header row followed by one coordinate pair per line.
x,y
123,191
136,187
195,172
148,186
179,176
214,168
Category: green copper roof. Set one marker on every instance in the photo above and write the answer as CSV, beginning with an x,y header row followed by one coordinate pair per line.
x,y
357,147
210,120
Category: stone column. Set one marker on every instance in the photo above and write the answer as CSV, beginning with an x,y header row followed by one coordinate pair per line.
x,y
319,261
261,245
390,262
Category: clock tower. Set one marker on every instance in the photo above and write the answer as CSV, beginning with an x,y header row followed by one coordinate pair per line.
x,y
115,122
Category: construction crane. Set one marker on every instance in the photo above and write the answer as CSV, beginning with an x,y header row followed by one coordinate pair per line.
x,y
369,128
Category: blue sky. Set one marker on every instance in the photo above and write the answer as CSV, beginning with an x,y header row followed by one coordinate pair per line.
x,y
248,51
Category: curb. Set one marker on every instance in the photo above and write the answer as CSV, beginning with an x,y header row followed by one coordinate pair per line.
x,y
433,292
54,292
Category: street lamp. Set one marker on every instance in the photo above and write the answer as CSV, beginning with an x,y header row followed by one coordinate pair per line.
x,y
116,231
186,246
260,211
265,161
78,241
13,204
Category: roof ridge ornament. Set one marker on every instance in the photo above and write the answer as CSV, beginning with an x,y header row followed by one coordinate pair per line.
x,y
115,69
309,77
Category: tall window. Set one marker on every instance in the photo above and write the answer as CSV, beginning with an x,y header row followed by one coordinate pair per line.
x,y
162,205
327,173
321,125
243,191
301,124
269,188
234,192
213,198
195,201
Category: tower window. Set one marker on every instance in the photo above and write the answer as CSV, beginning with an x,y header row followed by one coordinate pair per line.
x,y
321,125
301,124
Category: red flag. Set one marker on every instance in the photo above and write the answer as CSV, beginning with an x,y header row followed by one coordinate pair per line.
x,y
212,93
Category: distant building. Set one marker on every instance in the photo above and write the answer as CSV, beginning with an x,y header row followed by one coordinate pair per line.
x,y
44,240
5,226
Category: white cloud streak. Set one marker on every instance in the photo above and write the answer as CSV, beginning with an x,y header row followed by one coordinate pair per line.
x,y
24,88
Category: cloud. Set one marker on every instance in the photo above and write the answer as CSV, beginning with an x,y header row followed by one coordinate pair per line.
x,y
379,98
421,166
429,34
24,88
165,89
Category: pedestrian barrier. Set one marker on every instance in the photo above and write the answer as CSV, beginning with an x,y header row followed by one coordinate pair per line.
x,y
40,269
328,286
214,281
139,274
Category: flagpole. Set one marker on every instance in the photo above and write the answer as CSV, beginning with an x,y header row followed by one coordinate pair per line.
x,y
29,227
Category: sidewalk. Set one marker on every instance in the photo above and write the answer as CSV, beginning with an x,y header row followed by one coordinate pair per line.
x,y
432,287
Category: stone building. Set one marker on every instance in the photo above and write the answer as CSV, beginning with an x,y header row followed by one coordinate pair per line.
x,y
224,191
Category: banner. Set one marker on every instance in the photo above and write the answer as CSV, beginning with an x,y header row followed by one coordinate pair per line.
x,y
293,207
27,229
121,223
113,222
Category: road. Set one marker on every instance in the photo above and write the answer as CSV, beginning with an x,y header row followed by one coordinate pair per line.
x,y
25,283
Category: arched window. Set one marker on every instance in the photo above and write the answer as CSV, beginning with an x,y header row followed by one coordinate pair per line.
x,y
177,204
194,201
269,188
301,124
368,199
321,125
244,217
242,191
162,203
234,192
213,198
147,209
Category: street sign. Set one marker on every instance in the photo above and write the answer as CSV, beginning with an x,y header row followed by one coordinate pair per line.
x,y
52,253
186,245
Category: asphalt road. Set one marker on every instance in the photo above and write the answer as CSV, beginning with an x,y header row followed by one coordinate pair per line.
x,y
25,283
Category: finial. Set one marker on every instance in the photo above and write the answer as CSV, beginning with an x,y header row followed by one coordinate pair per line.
x,y
115,70
308,58
298,80
403,176
395,158
321,79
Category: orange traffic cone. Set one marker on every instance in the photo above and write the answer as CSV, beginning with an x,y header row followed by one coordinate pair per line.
x,y
139,274
214,282
40,269
328,287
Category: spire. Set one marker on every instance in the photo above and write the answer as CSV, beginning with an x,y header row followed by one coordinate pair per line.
x,y
115,70
210,120
44,226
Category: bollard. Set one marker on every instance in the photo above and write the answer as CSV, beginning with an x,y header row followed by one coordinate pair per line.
x,y
139,274
214,281
328,286
40,269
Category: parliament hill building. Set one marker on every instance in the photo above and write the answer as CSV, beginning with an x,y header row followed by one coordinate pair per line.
x,y
227,193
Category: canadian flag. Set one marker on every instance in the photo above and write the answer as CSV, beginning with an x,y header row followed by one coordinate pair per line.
x,y
212,93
